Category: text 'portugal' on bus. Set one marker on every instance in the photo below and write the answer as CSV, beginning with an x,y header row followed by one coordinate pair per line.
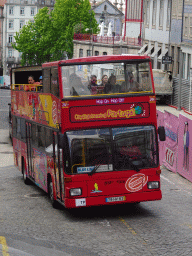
x,y
87,133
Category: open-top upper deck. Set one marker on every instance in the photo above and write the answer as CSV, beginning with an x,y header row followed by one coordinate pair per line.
x,y
76,92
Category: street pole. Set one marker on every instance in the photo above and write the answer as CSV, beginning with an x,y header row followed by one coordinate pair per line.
x,y
92,40
180,79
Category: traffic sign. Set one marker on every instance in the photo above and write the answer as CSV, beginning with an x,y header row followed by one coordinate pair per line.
x,y
166,60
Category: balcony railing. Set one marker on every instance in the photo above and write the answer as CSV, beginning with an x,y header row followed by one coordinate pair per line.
x,y
109,39
11,59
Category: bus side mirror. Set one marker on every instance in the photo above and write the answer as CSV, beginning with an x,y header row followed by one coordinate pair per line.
x,y
161,132
61,141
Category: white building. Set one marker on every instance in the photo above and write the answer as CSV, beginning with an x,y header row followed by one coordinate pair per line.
x,y
17,13
156,30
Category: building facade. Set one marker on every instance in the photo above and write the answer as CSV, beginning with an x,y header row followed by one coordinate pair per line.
x,y
156,30
106,12
17,13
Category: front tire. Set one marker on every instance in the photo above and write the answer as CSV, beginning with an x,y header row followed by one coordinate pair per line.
x,y
51,195
24,171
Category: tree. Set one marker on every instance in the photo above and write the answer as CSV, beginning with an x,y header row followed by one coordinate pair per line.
x,y
51,34
34,39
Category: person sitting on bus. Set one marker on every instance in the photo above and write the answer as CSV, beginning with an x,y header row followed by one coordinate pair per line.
x,y
133,84
93,84
77,88
104,81
112,86
40,88
31,81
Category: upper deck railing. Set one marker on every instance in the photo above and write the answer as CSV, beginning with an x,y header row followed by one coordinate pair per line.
x,y
27,87
114,40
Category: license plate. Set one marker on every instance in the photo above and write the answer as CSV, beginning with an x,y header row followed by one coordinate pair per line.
x,y
115,199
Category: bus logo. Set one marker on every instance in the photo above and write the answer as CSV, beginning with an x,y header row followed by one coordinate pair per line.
x,y
136,182
96,190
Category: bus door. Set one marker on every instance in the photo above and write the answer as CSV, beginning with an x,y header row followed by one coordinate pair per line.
x,y
58,168
29,149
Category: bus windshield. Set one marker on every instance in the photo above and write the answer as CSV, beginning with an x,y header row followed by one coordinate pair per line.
x,y
112,149
106,79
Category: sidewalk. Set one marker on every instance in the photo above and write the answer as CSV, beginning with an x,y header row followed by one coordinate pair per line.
x,y
6,149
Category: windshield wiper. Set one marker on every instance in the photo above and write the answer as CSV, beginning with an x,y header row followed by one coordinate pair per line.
x,y
94,170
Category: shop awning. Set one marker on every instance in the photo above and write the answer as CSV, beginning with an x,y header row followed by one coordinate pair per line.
x,y
163,54
155,52
142,48
149,50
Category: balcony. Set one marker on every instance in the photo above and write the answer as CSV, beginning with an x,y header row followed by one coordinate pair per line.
x,y
114,40
9,44
11,59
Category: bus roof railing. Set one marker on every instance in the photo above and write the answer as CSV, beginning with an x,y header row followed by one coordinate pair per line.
x,y
27,87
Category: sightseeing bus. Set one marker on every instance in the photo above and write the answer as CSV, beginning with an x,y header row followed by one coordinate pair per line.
x,y
88,143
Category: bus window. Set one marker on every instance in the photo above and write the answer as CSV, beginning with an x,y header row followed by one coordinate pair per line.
x,y
23,129
34,135
54,82
41,137
135,146
88,149
46,80
123,78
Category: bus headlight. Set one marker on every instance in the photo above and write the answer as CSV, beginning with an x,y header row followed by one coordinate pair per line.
x,y
153,184
75,192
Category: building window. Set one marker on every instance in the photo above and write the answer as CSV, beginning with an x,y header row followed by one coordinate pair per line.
x,y
178,57
32,11
154,12
96,53
147,12
22,11
186,24
168,13
188,66
104,53
52,2
10,24
190,27
10,39
11,10
184,64
88,53
10,53
161,14
80,53
22,23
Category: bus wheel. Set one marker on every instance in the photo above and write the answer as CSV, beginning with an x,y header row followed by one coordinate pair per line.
x,y
51,196
25,179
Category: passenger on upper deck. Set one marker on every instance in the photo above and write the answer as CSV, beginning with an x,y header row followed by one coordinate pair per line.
x,y
133,84
112,86
101,87
93,84
31,81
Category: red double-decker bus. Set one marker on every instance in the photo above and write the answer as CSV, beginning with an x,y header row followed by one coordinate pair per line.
x,y
88,136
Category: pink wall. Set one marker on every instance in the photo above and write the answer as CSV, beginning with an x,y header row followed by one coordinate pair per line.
x,y
184,166
171,124
160,122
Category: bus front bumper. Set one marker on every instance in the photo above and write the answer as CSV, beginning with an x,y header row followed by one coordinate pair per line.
x,y
112,200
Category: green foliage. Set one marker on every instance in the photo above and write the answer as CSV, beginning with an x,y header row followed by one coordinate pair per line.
x,y
51,33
